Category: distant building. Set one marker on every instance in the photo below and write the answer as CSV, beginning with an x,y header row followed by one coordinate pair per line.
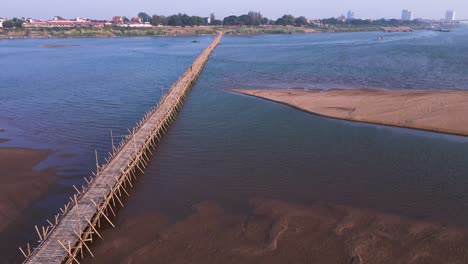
x,y
59,22
59,18
207,20
136,20
1,21
80,19
406,15
350,15
449,16
117,20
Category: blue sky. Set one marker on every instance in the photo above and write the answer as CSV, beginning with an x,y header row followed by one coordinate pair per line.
x,y
105,9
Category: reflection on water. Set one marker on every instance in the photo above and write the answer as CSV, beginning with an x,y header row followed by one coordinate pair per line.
x,y
232,148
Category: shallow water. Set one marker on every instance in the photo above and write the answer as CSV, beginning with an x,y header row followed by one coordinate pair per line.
x,y
232,148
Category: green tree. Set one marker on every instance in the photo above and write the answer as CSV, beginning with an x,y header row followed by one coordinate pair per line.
x,y
286,20
216,22
175,20
144,17
9,24
197,21
301,21
212,18
245,20
231,21
158,20
13,23
255,18
265,21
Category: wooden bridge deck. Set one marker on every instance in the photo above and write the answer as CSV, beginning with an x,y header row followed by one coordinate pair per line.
x,y
77,225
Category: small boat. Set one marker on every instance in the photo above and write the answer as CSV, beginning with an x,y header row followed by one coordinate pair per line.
x,y
195,41
380,38
442,30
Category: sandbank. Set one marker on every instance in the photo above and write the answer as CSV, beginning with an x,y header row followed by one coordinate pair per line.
x,y
20,183
280,232
438,111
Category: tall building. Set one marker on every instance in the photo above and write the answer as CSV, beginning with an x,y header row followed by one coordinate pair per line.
x,y
450,15
350,15
406,15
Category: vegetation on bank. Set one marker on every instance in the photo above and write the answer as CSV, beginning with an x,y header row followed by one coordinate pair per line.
x,y
252,18
183,24
175,31
141,32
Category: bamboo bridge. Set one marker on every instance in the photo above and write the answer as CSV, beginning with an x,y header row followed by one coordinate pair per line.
x,y
68,236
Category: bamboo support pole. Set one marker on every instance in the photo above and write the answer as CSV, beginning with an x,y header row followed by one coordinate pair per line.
x,y
93,228
102,213
22,252
68,250
83,243
38,233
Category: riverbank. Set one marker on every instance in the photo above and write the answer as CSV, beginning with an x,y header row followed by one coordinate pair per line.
x,y
279,232
20,183
152,31
109,32
438,111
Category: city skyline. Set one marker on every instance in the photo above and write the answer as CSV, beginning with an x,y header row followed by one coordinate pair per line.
x,y
311,9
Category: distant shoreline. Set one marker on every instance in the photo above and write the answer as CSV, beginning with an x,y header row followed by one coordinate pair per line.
x,y
167,31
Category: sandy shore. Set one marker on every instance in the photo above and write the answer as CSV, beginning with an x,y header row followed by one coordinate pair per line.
x,y
280,232
439,111
20,184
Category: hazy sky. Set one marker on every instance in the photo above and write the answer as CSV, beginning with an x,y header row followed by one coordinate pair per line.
x,y
105,9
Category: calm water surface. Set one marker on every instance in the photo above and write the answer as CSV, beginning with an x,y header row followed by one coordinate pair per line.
x,y
232,148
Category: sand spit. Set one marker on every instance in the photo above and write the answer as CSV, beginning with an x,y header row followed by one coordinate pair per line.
x,y
280,232
20,184
438,111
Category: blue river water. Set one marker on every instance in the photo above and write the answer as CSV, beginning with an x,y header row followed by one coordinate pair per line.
x,y
229,147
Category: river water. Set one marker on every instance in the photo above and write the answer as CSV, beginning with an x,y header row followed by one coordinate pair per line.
x,y
231,148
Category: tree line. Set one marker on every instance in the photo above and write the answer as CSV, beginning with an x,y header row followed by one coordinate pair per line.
x,y
13,23
252,18
367,22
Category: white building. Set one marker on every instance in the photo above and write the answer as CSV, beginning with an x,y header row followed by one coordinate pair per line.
x,y
81,19
450,16
406,15
1,21
350,15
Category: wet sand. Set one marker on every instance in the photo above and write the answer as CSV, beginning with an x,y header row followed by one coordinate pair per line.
x,y
20,184
438,111
280,232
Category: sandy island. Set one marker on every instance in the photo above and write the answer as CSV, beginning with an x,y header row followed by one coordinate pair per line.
x,y
438,111
20,184
281,232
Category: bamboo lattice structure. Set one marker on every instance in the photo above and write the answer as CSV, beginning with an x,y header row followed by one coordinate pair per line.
x,y
68,236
